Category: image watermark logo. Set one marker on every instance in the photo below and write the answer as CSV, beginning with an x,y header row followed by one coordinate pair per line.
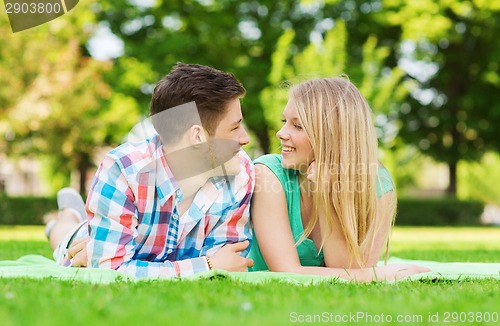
x,y
364,317
25,14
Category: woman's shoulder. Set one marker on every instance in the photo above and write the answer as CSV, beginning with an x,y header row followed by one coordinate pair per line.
x,y
384,181
273,163
269,160
383,172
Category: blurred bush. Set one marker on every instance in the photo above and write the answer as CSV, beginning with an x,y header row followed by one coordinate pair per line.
x,y
479,180
438,212
25,210
411,211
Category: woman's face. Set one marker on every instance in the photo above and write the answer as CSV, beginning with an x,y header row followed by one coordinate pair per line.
x,y
295,146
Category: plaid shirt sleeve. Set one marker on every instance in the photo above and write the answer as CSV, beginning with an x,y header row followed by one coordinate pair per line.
x,y
113,229
234,224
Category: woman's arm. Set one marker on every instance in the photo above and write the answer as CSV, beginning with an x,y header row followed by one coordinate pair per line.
x,y
389,272
335,248
269,214
385,212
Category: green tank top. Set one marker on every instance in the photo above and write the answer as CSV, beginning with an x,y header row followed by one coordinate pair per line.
x,y
308,254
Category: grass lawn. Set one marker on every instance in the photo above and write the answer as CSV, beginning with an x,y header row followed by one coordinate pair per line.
x,y
225,302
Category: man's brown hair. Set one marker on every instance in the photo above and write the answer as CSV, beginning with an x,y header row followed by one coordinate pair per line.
x,y
209,88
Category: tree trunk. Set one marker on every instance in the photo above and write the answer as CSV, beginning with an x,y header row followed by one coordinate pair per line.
x,y
264,141
452,186
83,168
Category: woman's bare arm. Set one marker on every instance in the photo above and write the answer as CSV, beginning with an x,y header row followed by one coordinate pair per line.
x,y
269,214
335,249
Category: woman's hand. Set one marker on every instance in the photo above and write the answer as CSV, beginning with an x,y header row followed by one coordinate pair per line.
x,y
311,171
393,272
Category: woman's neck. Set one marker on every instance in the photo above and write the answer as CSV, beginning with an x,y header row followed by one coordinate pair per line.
x,y
306,186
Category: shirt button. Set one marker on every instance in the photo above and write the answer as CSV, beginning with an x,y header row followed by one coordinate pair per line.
x,y
175,216
178,192
169,251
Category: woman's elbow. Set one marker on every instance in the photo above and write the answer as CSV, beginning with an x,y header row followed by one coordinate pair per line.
x,y
286,268
348,263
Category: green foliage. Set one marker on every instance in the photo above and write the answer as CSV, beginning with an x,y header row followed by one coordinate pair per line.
x,y
235,36
60,106
419,19
480,180
438,212
453,115
328,58
25,210
403,162
286,40
57,102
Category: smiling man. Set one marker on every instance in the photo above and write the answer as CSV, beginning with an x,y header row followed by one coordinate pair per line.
x,y
175,204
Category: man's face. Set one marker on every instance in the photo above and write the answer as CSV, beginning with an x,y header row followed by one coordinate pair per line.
x,y
229,136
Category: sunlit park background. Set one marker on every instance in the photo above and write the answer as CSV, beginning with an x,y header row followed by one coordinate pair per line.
x,y
73,88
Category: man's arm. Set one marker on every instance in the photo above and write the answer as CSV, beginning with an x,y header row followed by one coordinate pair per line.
x,y
233,225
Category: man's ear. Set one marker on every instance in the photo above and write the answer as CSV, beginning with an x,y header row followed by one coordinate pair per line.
x,y
197,135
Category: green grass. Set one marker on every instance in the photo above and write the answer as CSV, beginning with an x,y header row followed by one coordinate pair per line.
x,y
223,302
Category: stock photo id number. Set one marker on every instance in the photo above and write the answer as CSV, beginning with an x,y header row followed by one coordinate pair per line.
x,y
25,14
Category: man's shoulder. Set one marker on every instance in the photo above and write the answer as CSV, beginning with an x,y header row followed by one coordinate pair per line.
x,y
246,176
247,168
136,155
245,160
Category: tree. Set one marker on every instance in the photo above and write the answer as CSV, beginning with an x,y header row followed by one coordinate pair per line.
x,y
58,104
328,56
236,36
453,115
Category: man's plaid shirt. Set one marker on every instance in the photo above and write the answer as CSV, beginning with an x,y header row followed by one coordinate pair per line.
x,y
134,222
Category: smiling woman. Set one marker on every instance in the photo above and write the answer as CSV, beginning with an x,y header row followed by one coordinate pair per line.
x,y
325,205
297,151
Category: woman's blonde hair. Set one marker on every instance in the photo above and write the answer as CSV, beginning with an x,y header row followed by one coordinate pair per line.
x,y
338,122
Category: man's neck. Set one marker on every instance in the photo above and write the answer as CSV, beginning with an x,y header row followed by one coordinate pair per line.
x,y
190,186
190,168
